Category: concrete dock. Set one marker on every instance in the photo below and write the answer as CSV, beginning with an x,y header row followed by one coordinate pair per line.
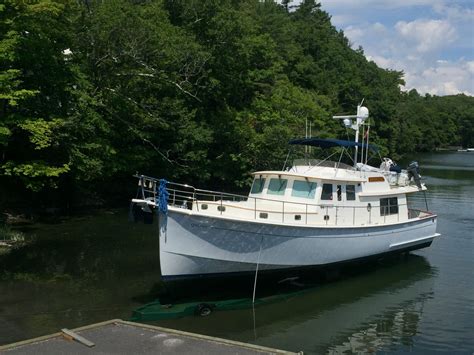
x,y
121,337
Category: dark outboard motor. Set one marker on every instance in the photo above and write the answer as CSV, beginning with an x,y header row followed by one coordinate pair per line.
x,y
395,168
414,172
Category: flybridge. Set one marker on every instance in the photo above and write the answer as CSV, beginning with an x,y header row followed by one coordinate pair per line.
x,y
355,122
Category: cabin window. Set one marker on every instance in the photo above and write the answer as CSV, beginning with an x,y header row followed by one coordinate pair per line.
x,y
350,193
257,186
339,192
277,186
326,194
303,188
388,206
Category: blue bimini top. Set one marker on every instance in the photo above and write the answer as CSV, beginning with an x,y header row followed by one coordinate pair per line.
x,y
330,143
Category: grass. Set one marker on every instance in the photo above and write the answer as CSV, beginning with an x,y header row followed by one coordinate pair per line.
x,y
10,239
9,235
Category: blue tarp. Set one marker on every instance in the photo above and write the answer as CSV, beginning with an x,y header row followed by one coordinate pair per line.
x,y
330,143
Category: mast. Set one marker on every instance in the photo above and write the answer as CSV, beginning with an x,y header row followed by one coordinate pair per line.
x,y
360,117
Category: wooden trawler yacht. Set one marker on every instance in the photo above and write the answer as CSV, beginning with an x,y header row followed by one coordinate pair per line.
x,y
314,213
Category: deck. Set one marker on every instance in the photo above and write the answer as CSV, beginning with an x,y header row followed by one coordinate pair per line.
x,y
122,337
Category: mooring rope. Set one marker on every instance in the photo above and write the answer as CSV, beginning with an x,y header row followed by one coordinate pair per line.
x,y
162,197
255,289
256,271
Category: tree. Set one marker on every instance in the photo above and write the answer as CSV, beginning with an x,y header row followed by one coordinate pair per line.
x,y
33,91
202,91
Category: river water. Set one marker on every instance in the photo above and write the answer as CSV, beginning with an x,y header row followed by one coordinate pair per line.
x,y
97,267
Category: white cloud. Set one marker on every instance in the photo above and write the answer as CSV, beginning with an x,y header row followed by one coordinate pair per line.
x,y
377,4
422,62
384,62
470,67
428,34
454,12
354,33
378,27
431,41
447,78
357,34
443,77
341,20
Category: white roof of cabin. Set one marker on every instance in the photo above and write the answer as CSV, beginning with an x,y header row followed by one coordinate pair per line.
x,y
370,187
320,173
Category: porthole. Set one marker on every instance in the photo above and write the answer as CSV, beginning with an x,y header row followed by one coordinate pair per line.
x,y
263,215
221,208
204,206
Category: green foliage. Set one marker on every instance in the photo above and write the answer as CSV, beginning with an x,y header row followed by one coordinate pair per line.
x,y
8,88
430,122
4,134
41,131
35,174
202,91
33,84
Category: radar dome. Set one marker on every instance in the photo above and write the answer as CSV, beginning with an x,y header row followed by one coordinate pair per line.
x,y
363,112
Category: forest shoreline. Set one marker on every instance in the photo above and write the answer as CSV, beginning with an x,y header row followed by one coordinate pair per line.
x,y
196,91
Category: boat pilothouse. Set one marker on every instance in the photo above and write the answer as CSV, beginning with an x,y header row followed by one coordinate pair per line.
x,y
312,213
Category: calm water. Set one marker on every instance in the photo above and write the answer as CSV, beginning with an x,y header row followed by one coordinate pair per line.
x,y
92,268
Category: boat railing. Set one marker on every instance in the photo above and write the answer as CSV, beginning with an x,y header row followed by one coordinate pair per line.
x,y
259,208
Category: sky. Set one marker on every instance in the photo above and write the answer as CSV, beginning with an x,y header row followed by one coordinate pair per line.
x,y
431,41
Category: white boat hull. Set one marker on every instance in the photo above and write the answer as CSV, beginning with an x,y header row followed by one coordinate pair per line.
x,y
195,245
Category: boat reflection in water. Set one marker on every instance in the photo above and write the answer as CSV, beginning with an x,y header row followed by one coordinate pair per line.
x,y
371,311
364,314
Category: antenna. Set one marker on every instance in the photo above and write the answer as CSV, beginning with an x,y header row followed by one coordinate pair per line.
x,y
360,117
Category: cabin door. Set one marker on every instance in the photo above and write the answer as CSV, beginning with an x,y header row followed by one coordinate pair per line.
x,y
344,204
